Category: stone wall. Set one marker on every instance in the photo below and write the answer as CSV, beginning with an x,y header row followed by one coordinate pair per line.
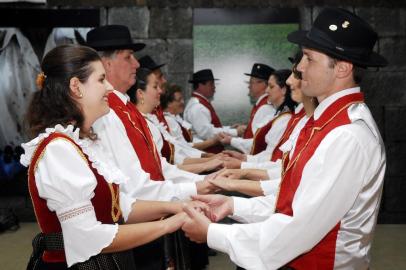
x,y
166,26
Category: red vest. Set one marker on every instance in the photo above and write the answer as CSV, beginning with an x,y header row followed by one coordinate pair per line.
x,y
139,135
259,144
215,121
168,150
105,201
322,255
277,153
187,134
248,134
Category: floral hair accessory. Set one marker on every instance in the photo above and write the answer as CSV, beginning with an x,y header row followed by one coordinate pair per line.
x,y
41,80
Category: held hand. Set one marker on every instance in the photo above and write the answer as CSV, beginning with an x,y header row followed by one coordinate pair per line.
x,y
199,206
205,187
196,225
224,138
213,164
224,183
220,206
241,129
174,223
231,173
232,163
235,154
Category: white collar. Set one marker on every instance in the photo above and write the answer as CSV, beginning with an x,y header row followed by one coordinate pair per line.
x,y
260,98
123,97
330,100
298,108
200,95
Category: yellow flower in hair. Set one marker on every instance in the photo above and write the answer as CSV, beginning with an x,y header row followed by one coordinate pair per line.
x,y
41,80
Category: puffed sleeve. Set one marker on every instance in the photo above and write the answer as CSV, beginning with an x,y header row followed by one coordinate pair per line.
x,y
65,181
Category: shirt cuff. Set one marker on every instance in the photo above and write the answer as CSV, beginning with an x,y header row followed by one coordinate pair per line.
x,y
247,165
242,207
187,190
233,132
217,236
269,187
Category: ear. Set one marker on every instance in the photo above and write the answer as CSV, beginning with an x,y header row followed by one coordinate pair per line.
x,y
283,89
107,64
74,85
343,69
139,94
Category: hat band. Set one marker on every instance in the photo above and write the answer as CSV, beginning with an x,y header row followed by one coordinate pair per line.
x,y
323,39
111,42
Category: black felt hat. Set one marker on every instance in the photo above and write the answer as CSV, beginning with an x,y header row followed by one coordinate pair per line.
x,y
343,35
149,63
203,75
261,71
112,37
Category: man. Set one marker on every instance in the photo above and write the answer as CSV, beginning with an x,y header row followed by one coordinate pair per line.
x,y
325,214
201,114
125,134
261,113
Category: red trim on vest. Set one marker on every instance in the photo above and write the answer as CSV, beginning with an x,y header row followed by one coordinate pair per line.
x,y
259,144
248,134
168,150
322,255
277,153
47,220
215,121
187,134
139,135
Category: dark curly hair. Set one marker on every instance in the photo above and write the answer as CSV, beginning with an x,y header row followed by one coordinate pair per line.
x,y
169,95
54,104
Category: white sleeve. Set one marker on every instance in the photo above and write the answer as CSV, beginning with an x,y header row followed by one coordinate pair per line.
x,y
260,157
264,114
274,135
249,210
113,137
176,130
322,199
174,174
271,187
65,181
200,118
263,165
244,145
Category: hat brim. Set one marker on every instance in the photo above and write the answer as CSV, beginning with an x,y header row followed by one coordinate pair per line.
x,y
131,46
203,80
157,67
256,76
300,37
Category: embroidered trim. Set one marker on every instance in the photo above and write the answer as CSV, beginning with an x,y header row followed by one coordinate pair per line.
x,y
75,212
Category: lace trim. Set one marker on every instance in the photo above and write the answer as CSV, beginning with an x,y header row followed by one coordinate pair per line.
x,y
75,212
109,171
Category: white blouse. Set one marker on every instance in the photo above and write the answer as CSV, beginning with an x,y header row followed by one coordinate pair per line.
x,y
65,181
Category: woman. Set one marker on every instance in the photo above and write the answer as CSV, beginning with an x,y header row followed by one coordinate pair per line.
x,y
286,144
73,185
173,105
267,137
146,98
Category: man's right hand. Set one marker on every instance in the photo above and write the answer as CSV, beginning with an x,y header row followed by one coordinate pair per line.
x,y
235,154
231,173
220,206
205,187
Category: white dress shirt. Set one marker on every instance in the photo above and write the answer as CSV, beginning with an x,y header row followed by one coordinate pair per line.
x,y
263,115
341,182
199,116
182,149
63,178
113,136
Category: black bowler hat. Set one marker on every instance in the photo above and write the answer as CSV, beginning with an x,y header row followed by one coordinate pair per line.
x,y
147,62
261,71
112,37
343,35
203,75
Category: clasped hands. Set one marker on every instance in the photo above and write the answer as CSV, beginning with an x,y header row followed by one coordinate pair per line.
x,y
201,212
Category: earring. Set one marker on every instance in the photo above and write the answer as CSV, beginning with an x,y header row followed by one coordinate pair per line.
x,y
142,101
80,94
